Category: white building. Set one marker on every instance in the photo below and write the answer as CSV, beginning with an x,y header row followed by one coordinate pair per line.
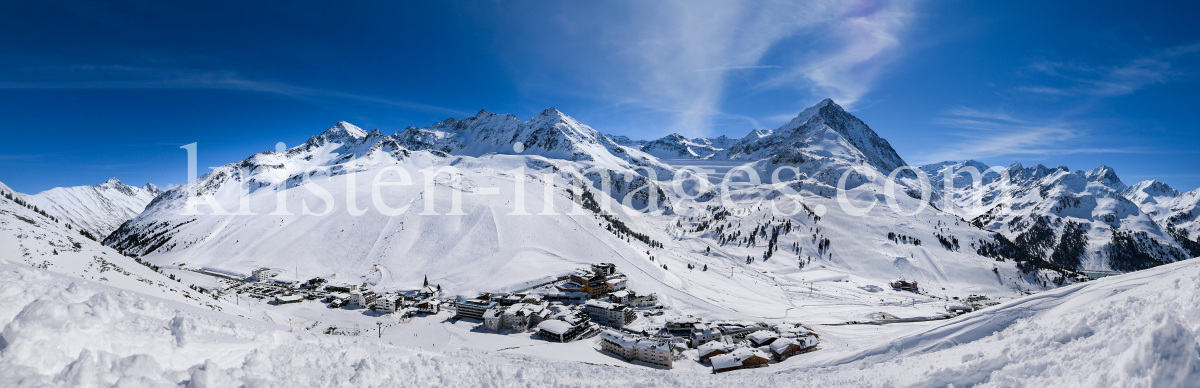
x,y
429,306
611,314
492,318
637,348
262,274
389,303
704,333
521,316
564,326
363,298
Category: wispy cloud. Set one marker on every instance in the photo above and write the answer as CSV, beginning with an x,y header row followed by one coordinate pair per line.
x,y
861,45
127,77
675,58
1109,81
986,134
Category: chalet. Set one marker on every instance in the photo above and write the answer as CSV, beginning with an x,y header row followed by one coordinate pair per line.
x,y
564,326
428,306
492,318
288,299
363,298
703,333
637,348
611,314
784,347
714,348
762,338
533,298
473,308
739,358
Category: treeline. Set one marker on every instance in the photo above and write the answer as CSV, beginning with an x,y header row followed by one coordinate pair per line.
x,y
615,225
35,209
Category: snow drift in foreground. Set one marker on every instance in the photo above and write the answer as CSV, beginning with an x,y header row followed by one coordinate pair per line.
x,y
1137,329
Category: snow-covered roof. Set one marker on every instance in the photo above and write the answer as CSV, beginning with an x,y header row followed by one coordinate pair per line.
x,y
620,294
288,298
710,347
726,360
781,344
555,326
619,338
734,358
683,320
762,335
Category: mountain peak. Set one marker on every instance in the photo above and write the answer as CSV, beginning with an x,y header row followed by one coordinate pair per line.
x,y
548,112
152,189
1106,176
343,130
113,181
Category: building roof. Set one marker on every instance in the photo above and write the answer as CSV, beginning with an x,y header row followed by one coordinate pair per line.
x,y
555,326
477,303
619,338
288,298
621,294
492,313
762,336
629,341
734,359
683,320
710,347
781,344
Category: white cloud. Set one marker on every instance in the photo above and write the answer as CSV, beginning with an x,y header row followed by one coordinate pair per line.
x,y
861,46
989,134
675,58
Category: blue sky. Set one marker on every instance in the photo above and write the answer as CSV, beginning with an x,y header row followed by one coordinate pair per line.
x,y
93,90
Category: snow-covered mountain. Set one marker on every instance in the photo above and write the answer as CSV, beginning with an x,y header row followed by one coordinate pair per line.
x,y
98,209
675,146
43,241
763,257
1074,219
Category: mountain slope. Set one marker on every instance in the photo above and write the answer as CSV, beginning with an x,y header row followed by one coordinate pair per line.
x,y
98,209
505,236
30,238
1078,220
